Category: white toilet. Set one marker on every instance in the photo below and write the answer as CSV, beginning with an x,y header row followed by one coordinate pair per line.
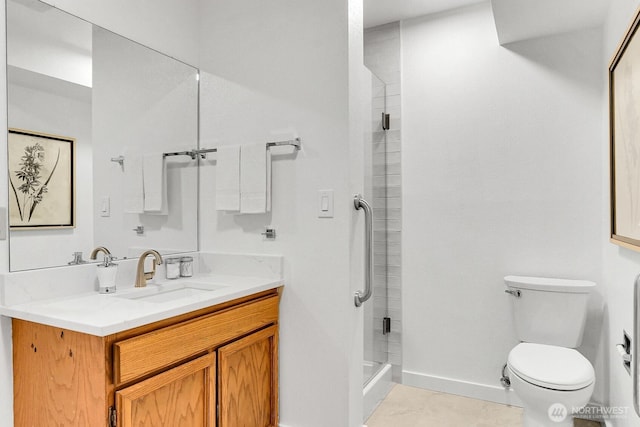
x,y
551,378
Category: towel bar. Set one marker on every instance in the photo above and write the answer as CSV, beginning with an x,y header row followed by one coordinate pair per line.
x,y
194,153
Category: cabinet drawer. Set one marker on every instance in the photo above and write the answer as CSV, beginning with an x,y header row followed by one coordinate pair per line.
x,y
147,353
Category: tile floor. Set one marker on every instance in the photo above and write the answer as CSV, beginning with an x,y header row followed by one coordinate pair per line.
x,y
414,407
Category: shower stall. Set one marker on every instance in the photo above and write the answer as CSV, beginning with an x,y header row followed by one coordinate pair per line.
x,y
377,322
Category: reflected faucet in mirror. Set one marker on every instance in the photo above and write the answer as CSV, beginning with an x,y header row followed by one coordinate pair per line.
x,y
141,275
77,259
94,253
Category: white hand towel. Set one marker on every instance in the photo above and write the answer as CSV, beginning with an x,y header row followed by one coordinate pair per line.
x,y
228,178
133,191
253,178
155,184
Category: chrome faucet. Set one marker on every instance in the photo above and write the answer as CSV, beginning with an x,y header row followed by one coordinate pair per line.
x,y
94,253
141,275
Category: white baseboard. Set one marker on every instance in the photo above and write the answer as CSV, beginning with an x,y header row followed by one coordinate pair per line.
x,y
486,392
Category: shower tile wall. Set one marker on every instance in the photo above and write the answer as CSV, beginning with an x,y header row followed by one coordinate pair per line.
x,y
382,57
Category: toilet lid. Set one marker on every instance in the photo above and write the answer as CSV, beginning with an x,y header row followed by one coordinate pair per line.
x,y
550,366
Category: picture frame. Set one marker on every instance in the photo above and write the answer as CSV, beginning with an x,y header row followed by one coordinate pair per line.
x,y
41,180
624,129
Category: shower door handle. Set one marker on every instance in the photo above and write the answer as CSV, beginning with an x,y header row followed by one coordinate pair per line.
x,y
362,296
635,359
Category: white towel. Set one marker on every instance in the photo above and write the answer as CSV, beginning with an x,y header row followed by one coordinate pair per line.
x,y
228,178
155,184
133,191
253,178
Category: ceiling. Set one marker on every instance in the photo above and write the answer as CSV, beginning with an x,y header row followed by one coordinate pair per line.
x,y
46,41
515,19
378,12
526,19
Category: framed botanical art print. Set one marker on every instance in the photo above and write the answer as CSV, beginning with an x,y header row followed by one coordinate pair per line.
x,y
624,131
41,180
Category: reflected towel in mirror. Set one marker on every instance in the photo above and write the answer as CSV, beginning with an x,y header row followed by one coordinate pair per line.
x,y
155,184
133,191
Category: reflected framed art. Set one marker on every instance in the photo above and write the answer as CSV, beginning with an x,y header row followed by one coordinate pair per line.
x,y
41,180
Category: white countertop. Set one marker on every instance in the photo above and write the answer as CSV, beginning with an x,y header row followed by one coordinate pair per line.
x,y
106,314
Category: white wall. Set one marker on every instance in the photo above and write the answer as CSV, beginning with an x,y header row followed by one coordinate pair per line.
x,y
620,265
283,71
358,132
501,175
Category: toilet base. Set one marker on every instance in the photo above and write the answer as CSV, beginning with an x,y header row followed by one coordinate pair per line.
x,y
548,408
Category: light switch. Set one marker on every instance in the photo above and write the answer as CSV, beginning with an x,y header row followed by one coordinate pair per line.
x,y
325,204
105,206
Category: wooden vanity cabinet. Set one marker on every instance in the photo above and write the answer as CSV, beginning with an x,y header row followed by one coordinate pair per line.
x,y
181,396
247,381
216,367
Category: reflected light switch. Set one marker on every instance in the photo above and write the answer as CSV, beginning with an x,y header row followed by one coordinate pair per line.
x,y
325,204
105,206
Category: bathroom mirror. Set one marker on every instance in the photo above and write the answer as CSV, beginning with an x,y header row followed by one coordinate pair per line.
x,y
120,106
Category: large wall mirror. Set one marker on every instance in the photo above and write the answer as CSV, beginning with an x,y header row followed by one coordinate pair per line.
x,y
91,115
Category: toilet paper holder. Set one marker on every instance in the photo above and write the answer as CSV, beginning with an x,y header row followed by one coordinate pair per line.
x,y
625,351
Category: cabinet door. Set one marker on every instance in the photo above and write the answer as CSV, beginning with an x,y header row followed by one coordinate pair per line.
x,y
180,397
248,381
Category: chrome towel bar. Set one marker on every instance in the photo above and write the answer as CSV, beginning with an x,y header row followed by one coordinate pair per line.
x,y
362,296
195,153
296,143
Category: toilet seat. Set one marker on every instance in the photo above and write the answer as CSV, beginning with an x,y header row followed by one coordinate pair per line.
x,y
552,367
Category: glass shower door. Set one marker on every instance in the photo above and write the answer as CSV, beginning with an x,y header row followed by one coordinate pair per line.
x,y
376,321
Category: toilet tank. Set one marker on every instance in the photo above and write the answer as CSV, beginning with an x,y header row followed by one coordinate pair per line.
x,y
549,311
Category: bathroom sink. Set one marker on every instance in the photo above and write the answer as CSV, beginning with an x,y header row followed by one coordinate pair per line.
x,y
170,292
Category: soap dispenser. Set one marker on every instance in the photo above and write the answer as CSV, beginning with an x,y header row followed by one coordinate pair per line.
x,y
107,272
